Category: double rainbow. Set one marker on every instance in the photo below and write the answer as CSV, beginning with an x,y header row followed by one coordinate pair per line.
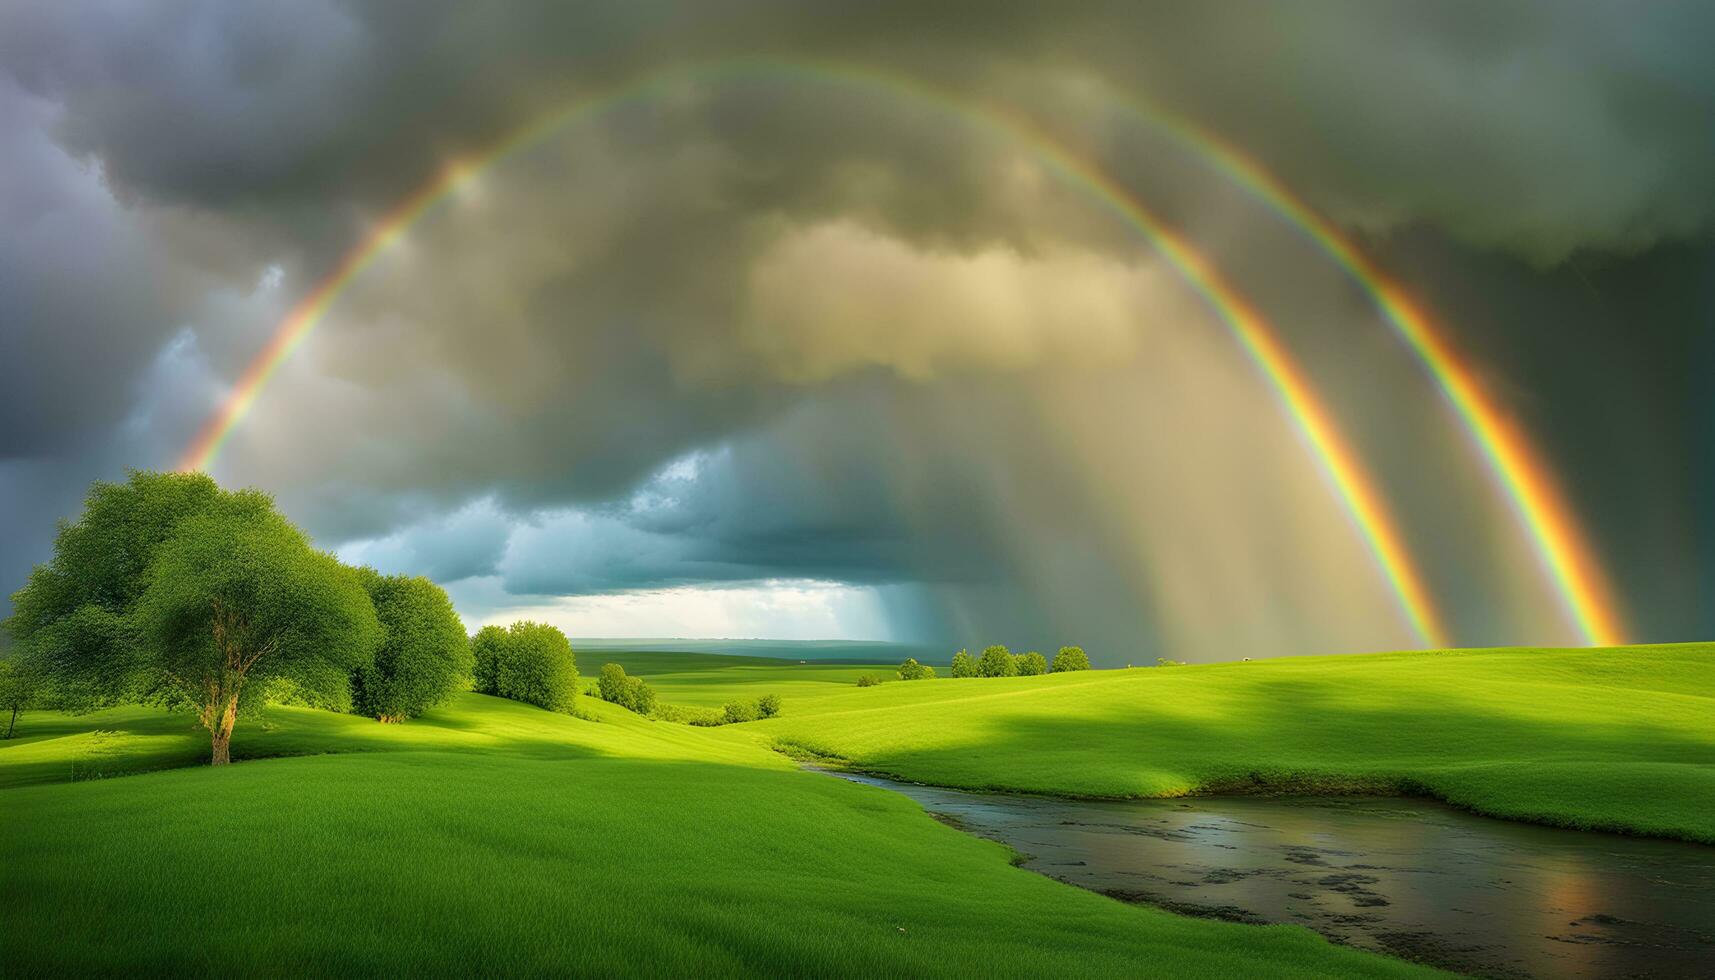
x,y
1530,489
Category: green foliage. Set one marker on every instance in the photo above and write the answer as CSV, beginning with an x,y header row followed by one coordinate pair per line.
x,y
911,670
423,658
74,612
868,680
739,711
768,706
533,663
964,665
238,598
1164,662
487,648
616,687
1031,664
997,661
1070,658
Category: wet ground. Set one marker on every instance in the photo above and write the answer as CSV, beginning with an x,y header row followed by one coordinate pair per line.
x,y
1410,878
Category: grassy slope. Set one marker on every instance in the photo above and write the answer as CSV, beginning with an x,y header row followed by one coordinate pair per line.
x,y
1618,739
494,837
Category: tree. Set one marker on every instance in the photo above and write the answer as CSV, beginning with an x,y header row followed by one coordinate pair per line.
x,y
72,616
537,667
768,706
486,649
423,658
997,662
20,684
170,589
911,670
239,599
964,665
1070,658
1031,664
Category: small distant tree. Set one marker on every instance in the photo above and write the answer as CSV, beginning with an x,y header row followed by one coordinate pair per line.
x,y
1070,658
739,711
768,706
997,661
1031,664
537,667
964,665
911,670
424,657
486,648
868,680
1164,662
20,688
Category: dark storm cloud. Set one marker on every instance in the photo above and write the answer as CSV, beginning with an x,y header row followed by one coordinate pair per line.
x,y
622,296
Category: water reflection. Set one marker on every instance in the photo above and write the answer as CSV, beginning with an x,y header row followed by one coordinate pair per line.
x,y
1404,877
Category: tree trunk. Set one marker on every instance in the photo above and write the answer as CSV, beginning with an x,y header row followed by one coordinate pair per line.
x,y
12,724
222,731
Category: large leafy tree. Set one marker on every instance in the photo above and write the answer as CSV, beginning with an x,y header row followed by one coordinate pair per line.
x,y
997,661
20,688
424,656
1071,658
238,600
71,618
169,588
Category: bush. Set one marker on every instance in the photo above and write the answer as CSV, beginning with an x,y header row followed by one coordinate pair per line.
x,y
964,665
423,657
768,706
1164,662
997,662
739,711
1070,658
1031,664
868,680
616,687
911,670
486,648
536,667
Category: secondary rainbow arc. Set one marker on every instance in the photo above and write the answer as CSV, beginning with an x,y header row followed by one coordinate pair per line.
x,y
1523,480
1363,503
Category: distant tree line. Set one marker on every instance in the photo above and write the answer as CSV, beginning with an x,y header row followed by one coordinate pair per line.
x,y
996,661
171,590
615,686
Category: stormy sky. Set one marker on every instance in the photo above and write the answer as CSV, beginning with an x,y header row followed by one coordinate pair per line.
x,y
805,352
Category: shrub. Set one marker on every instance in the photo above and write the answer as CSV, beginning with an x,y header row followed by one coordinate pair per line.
x,y
768,706
1070,658
536,666
1031,664
486,648
911,670
1164,662
616,687
868,680
964,665
739,711
423,657
997,662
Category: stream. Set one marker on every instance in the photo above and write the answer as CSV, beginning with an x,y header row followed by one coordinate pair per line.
x,y
1405,877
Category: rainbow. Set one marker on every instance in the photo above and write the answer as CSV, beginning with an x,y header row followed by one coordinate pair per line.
x,y
1524,481
1262,345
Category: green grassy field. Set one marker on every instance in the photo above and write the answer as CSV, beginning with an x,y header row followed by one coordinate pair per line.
x,y
1620,739
494,837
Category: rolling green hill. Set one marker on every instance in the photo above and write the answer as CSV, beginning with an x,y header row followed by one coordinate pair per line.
x,y
1616,739
493,837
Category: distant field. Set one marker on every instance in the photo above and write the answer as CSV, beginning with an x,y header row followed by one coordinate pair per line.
x,y
491,837
1619,739
709,680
